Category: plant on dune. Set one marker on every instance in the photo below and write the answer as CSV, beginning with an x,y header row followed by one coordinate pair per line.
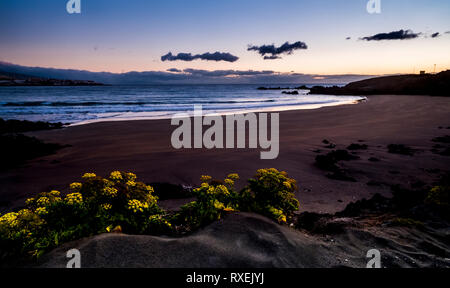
x,y
214,198
98,205
119,203
439,196
270,193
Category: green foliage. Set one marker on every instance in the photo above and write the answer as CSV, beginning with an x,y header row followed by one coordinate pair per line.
x,y
271,193
214,198
439,196
121,204
97,205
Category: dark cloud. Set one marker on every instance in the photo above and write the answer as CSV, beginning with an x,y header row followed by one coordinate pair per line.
x,y
273,57
271,52
434,35
348,38
174,70
217,56
226,73
395,35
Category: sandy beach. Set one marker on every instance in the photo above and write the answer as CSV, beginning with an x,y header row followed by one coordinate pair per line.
x,y
144,147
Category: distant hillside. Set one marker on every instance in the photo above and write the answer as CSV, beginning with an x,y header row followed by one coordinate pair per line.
x,y
428,84
17,79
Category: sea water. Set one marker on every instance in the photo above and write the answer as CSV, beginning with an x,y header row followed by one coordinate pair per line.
x,y
85,104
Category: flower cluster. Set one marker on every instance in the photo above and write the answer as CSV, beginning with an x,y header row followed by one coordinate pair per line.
x,y
136,205
88,176
131,183
41,211
90,206
116,176
233,177
76,186
205,178
110,192
130,176
43,201
74,198
106,206
9,219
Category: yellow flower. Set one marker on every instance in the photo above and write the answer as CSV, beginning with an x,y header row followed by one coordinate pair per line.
x,y
233,176
282,219
229,182
131,177
116,176
106,206
136,206
131,183
109,191
55,193
218,205
24,213
10,219
74,198
221,190
211,190
88,176
150,189
76,186
41,211
205,178
287,185
43,201
29,201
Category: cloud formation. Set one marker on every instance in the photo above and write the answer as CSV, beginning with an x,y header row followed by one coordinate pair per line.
x,y
186,76
174,70
395,35
270,52
217,56
225,73
434,35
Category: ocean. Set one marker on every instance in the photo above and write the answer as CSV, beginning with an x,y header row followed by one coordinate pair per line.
x,y
86,104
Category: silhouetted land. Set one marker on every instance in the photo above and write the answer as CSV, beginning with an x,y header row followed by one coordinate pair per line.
x,y
428,84
13,79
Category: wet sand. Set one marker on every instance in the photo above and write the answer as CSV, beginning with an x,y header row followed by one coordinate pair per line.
x,y
144,147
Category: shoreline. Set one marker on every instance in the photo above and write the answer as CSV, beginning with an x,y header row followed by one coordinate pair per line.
x,y
274,109
143,147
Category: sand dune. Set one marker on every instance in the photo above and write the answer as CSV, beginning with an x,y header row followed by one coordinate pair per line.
x,y
244,240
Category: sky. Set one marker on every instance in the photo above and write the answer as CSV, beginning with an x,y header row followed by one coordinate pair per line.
x,y
121,35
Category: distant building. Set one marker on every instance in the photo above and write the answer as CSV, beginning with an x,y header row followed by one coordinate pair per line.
x,y
422,73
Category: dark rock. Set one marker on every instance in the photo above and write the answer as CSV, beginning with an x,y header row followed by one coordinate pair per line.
x,y
401,149
17,126
443,139
290,92
357,147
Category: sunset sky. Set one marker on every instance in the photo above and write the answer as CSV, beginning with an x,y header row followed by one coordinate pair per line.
x,y
121,35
